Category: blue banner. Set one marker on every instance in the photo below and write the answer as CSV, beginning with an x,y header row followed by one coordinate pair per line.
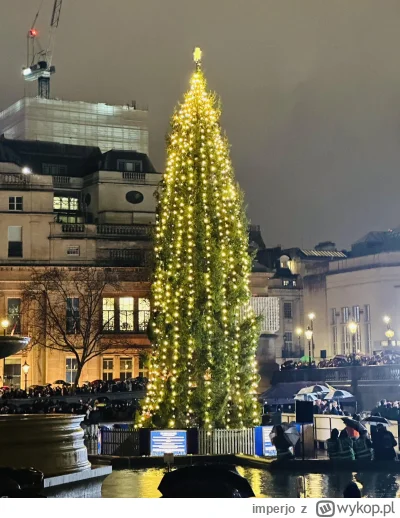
x,y
168,441
263,444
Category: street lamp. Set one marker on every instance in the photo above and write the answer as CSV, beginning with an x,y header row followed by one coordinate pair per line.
x,y
309,335
311,317
353,328
25,369
389,333
4,324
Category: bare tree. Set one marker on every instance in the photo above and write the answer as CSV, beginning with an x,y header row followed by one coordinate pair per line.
x,y
63,310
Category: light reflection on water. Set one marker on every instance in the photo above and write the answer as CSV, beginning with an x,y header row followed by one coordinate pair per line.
x,y
143,483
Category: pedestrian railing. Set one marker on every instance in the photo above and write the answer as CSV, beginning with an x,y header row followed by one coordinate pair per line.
x,y
222,442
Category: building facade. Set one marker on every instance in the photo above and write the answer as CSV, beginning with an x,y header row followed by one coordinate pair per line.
x,y
76,122
71,207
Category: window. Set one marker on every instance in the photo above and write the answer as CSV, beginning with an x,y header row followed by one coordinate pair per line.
x,y
73,250
285,283
125,368
294,284
356,313
126,320
73,318
54,169
143,370
134,197
143,314
134,166
333,316
345,315
334,340
287,310
14,316
108,368
345,340
65,203
71,367
289,340
108,314
12,372
15,203
14,241
367,316
126,314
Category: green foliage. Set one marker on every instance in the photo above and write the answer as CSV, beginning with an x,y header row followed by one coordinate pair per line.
x,y
204,334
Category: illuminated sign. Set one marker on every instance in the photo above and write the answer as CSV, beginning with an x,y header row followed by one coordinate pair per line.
x,y
168,441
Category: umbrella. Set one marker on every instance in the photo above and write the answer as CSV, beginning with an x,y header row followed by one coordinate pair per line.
x,y
290,432
214,481
305,397
314,389
338,394
96,382
352,423
62,382
376,419
306,359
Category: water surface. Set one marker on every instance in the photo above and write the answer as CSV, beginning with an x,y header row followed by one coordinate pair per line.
x,y
143,483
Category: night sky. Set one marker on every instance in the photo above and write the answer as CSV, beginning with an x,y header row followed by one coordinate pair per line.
x,y
310,92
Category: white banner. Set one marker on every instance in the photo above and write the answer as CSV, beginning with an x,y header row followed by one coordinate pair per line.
x,y
188,508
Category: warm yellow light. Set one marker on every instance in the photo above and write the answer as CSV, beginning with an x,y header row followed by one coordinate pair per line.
x,y
25,368
389,333
299,331
353,327
386,319
311,316
197,55
5,323
308,334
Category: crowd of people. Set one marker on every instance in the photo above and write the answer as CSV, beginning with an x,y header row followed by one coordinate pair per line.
x,y
382,358
66,389
388,409
350,444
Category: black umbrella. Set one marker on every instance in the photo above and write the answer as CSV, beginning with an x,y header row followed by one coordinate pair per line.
x,y
205,482
352,423
376,419
62,382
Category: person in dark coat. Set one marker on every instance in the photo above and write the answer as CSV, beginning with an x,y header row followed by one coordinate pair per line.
x,y
384,443
352,491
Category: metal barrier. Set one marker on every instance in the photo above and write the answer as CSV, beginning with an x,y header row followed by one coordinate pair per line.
x,y
122,443
222,442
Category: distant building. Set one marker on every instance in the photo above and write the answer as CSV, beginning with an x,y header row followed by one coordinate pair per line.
x,y
73,206
77,122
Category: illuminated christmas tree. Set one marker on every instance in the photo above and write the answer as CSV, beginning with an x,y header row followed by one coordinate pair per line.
x,y
203,369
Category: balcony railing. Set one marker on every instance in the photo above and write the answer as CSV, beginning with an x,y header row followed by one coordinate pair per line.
x,y
136,177
123,257
15,179
124,230
63,181
73,227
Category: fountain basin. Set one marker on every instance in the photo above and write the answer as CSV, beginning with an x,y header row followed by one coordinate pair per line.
x,y
10,345
50,443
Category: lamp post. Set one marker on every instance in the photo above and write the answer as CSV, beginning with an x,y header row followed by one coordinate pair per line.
x,y
389,333
309,335
353,327
4,324
25,369
311,317
299,332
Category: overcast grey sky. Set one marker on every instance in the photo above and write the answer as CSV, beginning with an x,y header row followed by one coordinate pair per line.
x,y
310,92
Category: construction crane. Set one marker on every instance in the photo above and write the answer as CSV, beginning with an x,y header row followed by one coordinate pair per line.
x,y
39,61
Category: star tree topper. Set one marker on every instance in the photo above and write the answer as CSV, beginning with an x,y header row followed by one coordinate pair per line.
x,y
197,57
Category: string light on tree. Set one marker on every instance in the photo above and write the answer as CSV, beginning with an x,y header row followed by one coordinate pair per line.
x,y
203,370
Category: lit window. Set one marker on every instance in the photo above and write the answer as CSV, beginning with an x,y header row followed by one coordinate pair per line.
x,y
108,368
143,370
125,368
143,314
15,203
71,368
14,241
134,166
126,321
14,316
65,203
73,316
285,283
108,314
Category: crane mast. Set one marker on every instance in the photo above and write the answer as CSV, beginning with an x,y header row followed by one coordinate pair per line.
x,y
39,61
